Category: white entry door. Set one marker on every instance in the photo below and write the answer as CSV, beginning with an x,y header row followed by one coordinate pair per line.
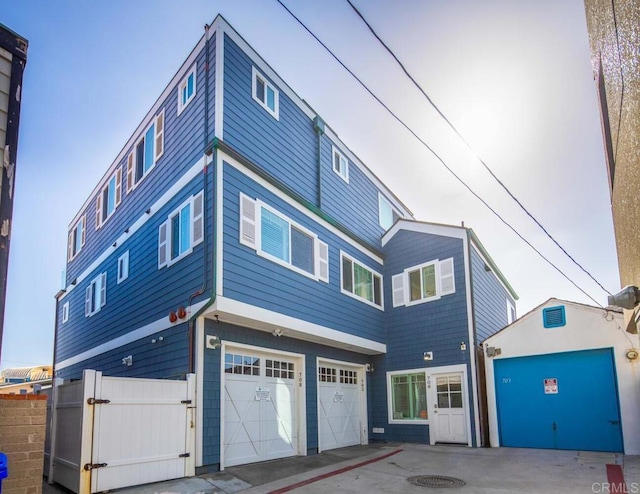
x,y
341,402
449,410
260,406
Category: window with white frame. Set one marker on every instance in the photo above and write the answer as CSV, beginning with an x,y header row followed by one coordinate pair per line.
x,y
423,283
281,240
340,164
123,267
109,198
77,237
511,312
187,89
146,152
65,312
360,281
387,214
95,295
407,397
265,93
182,231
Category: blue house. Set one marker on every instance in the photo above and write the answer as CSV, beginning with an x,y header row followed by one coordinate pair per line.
x,y
235,236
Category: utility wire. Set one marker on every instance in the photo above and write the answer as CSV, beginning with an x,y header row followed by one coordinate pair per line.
x,y
436,155
466,143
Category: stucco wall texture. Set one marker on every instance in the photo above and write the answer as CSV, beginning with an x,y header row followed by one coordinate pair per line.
x,y
614,36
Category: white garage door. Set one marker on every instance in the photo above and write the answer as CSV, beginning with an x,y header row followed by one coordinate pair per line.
x,y
341,401
260,406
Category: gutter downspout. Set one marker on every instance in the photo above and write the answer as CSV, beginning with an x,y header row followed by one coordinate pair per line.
x,y
318,126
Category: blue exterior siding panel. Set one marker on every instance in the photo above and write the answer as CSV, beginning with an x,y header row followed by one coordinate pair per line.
x,y
251,278
489,299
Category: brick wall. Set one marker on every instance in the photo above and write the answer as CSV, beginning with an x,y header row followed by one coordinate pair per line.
x,y
22,430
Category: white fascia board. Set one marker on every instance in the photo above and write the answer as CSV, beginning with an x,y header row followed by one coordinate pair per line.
x,y
422,227
246,315
164,199
218,100
274,190
142,332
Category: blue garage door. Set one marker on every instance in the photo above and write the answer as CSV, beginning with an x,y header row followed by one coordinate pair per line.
x,y
559,401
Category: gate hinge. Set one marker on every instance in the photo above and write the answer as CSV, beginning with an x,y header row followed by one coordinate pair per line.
x,y
94,401
186,402
92,466
184,455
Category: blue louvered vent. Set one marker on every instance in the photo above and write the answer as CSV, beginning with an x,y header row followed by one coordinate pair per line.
x,y
553,317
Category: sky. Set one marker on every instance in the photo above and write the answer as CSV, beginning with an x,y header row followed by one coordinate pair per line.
x,y
514,77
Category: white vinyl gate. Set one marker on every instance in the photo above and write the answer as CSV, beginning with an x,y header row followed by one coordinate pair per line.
x,y
113,432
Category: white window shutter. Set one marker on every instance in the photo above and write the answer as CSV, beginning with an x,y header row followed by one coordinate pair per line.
x,y
447,281
87,300
397,287
99,210
159,137
83,235
103,289
130,172
70,246
162,244
197,230
248,224
118,186
323,262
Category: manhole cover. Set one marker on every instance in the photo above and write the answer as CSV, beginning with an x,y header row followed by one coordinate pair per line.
x,y
436,481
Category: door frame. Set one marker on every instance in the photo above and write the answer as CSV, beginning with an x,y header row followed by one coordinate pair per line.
x,y
362,377
301,393
431,373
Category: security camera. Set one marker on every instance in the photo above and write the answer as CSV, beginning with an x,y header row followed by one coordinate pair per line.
x,y
627,298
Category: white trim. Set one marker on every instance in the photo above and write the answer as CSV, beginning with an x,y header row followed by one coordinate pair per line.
x,y
255,74
263,183
135,226
142,332
389,375
373,274
341,157
137,181
100,199
200,349
65,312
125,269
362,376
243,314
511,307
420,227
407,284
218,268
178,212
183,84
382,200
218,122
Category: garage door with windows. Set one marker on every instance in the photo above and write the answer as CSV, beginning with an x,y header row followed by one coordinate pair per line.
x,y
341,405
262,404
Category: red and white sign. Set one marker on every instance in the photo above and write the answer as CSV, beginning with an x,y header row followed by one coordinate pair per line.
x,y
551,386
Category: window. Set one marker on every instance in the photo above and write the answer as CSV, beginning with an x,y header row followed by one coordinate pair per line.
x,y
407,396
265,94
554,317
387,214
65,312
340,164
327,375
278,368
511,312
247,365
123,267
109,198
423,283
277,238
360,281
146,152
95,295
187,90
77,237
182,231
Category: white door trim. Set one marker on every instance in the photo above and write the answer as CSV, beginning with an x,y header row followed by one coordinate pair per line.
x,y
301,403
362,377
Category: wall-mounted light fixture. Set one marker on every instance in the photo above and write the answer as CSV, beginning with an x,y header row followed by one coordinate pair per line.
x,y
369,367
212,342
427,355
278,332
128,361
493,351
463,346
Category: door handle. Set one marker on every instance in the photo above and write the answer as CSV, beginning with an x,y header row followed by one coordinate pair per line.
x,y
614,422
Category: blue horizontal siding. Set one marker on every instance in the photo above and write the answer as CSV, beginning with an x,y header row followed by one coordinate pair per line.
x,y
252,279
148,294
489,299
184,146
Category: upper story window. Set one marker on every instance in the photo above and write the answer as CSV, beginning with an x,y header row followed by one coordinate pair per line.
x,y
183,230
279,239
187,90
146,152
340,164
387,214
265,94
360,282
95,295
511,312
423,283
109,198
65,312
123,267
77,237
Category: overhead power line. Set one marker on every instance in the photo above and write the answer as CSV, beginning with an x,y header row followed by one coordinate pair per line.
x,y
466,143
436,155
